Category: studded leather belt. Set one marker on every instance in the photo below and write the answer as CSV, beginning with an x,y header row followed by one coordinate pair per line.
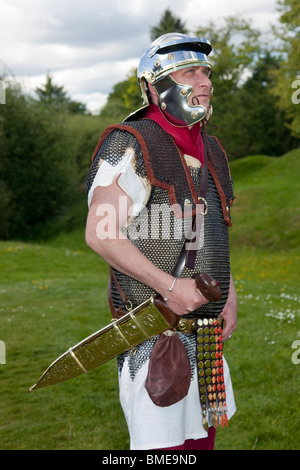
x,y
189,325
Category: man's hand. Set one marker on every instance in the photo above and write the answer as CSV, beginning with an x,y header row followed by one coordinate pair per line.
x,y
185,297
229,313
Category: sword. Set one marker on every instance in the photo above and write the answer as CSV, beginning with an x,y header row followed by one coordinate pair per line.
x,y
149,319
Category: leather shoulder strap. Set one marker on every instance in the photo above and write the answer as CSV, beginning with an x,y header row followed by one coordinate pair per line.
x,y
164,163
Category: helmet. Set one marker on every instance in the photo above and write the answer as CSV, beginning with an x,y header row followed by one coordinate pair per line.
x,y
168,53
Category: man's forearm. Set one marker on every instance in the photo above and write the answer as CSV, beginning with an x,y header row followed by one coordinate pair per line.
x,y
125,257
229,313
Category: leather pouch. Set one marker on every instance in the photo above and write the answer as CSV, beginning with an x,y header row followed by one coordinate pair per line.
x,y
169,373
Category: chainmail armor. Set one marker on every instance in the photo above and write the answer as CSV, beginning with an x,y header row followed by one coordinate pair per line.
x,y
163,250
138,356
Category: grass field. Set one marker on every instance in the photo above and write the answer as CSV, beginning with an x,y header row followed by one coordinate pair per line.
x,y
54,294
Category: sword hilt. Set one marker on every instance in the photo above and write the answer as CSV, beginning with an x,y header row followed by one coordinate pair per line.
x,y
208,287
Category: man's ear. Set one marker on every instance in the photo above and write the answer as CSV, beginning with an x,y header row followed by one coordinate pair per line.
x,y
153,94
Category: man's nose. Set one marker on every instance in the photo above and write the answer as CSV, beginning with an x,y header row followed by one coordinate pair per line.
x,y
204,80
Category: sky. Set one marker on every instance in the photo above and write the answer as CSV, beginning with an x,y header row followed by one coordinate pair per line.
x,y
88,46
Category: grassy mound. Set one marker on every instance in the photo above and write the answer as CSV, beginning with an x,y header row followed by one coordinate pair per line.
x,y
266,213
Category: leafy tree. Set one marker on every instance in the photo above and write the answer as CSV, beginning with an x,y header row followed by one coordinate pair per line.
x,y
244,74
288,76
168,24
38,176
236,49
259,120
123,100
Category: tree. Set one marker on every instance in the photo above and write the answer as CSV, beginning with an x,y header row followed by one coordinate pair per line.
x,y
257,116
287,88
124,99
55,96
38,176
236,49
168,24
51,94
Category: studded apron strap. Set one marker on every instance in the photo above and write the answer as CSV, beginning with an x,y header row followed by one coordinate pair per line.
x,y
210,372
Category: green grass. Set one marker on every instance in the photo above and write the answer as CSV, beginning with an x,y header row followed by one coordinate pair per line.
x,y
266,382
54,294
52,297
267,209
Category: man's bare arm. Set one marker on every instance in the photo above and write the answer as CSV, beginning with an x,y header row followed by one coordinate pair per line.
x,y
123,255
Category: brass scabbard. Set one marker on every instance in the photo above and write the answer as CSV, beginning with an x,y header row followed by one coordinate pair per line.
x,y
144,322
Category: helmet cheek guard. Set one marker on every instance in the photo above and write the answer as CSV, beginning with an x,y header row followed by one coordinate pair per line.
x,y
173,103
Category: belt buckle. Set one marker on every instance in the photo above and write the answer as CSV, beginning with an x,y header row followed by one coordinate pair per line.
x,y
186,325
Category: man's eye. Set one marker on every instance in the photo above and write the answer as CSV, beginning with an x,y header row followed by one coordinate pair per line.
x,y
207,72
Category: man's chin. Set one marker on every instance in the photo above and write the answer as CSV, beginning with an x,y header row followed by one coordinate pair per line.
x,y
201,102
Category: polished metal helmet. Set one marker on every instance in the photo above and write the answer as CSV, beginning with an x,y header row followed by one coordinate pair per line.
x,y
168,53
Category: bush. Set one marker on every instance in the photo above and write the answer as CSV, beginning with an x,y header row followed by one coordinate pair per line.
x,y
38,175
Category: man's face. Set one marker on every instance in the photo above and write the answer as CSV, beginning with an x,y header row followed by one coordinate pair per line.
x,y
198,78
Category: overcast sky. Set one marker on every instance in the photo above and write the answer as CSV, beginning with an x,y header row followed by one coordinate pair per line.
x,y
90,45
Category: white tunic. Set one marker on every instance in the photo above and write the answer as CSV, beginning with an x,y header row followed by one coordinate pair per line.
x,y
155,427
